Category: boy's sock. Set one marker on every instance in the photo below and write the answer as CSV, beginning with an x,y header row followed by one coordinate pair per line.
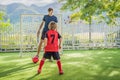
x,y
59,66
40,66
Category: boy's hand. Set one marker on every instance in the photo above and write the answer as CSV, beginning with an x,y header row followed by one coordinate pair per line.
x,y
59,46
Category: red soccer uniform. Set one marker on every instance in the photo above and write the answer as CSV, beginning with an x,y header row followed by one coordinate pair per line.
x,y
52,41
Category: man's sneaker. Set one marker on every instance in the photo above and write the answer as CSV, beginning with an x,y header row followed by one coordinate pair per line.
x,y
50,60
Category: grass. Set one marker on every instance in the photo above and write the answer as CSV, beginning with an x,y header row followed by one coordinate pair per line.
x,y
77,65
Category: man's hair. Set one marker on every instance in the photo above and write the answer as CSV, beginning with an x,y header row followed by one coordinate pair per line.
x,y
52,25
50,9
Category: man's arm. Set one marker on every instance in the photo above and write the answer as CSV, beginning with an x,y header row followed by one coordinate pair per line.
x,y
41,25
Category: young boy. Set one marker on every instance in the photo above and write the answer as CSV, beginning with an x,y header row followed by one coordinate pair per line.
x,y
51,47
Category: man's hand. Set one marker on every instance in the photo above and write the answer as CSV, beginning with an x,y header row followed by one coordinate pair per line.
x,y
37,55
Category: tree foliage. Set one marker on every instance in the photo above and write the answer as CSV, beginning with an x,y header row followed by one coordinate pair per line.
x,y
4,23
100,10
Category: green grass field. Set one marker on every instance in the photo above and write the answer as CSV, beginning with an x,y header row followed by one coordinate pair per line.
x,y
77,65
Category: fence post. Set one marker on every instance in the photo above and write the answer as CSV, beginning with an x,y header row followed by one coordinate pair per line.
x,y
90,41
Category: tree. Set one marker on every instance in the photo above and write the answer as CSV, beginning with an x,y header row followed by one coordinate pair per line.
x,y
87,10
4,23
106,10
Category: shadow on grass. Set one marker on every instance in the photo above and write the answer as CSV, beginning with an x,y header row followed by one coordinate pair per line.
x,y
16,69
93,65
32,77
109,65
98,65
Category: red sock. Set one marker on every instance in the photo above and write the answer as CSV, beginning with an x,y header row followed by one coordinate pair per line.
x,y
41,64
59,66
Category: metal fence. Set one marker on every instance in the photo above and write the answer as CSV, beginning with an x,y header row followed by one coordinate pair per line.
x,y
75,35
10,38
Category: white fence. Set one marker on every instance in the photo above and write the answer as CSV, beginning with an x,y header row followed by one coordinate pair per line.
x,y
76,36
22,36
10,39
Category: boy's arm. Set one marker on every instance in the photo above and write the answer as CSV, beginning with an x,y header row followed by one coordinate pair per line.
x,y
60,41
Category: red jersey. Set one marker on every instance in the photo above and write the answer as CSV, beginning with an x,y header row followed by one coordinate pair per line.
x,y
52,41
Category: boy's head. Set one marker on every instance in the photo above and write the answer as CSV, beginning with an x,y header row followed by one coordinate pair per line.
x,y
50,11
52,25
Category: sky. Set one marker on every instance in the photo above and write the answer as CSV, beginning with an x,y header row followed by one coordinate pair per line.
x,y
28,2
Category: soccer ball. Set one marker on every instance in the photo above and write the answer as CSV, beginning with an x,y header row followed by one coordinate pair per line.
x,y
35,59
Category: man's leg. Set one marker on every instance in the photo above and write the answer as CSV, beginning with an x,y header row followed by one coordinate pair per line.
x,y
50,59
39,47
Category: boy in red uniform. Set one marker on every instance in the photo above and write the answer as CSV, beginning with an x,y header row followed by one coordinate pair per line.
x,y
52,47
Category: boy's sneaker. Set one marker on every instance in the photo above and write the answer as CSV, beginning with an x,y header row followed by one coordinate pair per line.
x,y
61,73
39,71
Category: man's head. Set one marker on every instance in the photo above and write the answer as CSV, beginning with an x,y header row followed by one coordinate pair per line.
x,y
50,11
52,25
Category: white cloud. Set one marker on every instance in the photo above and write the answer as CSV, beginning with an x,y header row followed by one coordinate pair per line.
x,y
28,2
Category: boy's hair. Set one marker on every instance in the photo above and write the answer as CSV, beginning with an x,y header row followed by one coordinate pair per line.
x,y
52,25
50,9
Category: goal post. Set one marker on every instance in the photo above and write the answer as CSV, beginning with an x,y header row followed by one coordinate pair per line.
x,y
29,24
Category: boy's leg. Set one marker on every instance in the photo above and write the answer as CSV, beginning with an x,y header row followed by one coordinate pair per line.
x,y
56,57
59,67
41,65
39,47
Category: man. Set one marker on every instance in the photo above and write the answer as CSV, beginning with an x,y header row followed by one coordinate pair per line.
x,y
46,20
